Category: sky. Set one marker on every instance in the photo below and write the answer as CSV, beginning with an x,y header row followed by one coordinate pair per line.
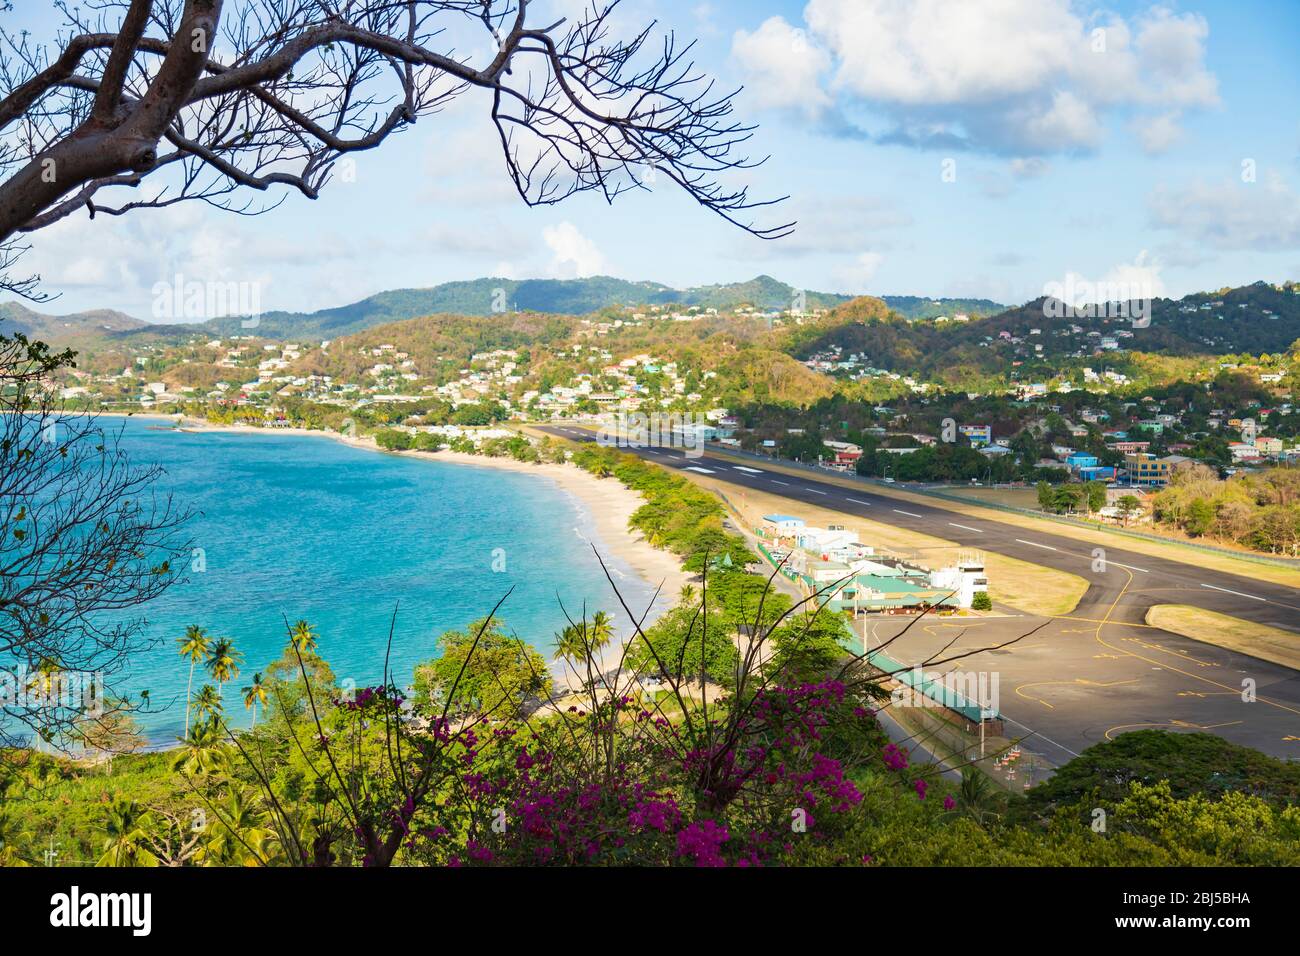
x,y
973,148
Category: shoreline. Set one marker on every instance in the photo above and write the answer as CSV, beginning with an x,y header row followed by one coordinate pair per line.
x,y
607,503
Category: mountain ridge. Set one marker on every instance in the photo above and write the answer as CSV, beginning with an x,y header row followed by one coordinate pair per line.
x,y
479,297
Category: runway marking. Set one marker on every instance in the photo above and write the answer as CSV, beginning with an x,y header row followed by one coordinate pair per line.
x,y
965,527
1090,620
1045,547
858,501
815,491
1207,680
702,471
910,514
752,471
1128,567
1238,593
1081,681
1185,655
775,482
1186,724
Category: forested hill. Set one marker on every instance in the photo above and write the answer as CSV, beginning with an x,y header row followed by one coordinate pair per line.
x,y
481,297
1042,336
573,297
553,296
61,330
918,307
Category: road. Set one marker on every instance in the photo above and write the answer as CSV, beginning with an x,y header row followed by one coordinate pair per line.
x,y
1100,670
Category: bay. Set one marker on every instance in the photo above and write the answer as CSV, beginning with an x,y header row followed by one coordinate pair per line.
x,y
293,527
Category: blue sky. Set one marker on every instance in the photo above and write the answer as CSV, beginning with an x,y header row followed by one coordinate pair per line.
x,y
930,147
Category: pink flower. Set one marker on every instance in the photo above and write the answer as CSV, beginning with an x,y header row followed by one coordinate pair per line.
x,y
895,759
949,803
921,786
702,842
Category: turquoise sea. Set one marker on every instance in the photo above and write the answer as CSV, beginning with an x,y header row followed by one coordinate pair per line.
x,y
306,527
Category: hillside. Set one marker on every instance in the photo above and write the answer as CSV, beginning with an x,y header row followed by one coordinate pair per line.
x,y
1043,338
437,344
481,297
61,330
552,296
916,307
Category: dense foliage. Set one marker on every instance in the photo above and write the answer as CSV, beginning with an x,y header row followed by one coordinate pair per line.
x,y
1259,510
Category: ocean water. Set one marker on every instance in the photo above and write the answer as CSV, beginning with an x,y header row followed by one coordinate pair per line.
x,y
305,527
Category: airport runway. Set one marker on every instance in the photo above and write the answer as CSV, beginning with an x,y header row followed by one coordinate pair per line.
x,y
1099,671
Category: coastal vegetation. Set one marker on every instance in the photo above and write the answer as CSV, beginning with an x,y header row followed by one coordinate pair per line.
x,y
738,729
770,773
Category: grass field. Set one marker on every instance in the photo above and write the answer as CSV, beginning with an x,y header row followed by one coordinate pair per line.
x,y
1011,497
1210,627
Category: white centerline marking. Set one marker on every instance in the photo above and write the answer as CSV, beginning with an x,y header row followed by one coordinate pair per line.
x,y
910,514
965,527
752,471
1128,567
1238,593
702,471
1035,544
816,492
858,501
775,482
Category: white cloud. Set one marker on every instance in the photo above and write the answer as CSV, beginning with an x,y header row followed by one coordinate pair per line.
x,y
466,167
573,255
944,51
1029,168
1158,134
1142,273
1127,281
197,244
857,276
1015,77
1232,215
784,67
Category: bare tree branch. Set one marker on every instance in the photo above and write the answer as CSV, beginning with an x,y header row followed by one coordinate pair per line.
x,y
269,95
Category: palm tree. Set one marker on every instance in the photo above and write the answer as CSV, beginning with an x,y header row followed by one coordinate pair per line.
x,y
254,694
601,631
568,643
578,640
207,704
223,662
202,752
687,594
194,645
976,797
125,829
302,637
240,835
